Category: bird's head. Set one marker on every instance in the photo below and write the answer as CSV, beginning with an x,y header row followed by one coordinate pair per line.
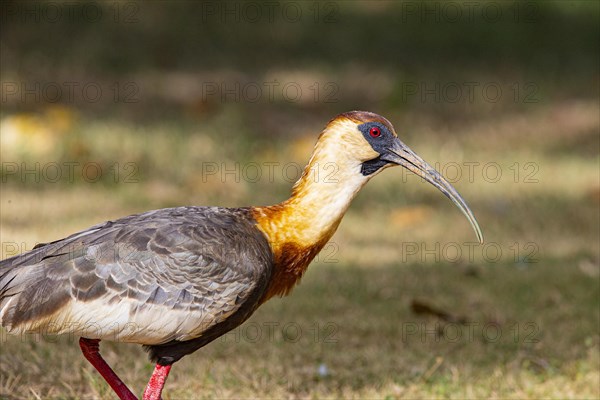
x,y
366,144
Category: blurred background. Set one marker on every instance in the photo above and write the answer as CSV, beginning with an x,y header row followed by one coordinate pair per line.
x,y
114,108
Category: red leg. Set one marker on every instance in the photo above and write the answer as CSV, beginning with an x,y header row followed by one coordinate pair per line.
x,y
157,382
90,349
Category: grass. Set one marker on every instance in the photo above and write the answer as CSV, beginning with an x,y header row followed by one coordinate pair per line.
x,y
523,324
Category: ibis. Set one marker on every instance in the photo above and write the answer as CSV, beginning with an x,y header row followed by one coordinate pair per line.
x,y
175,279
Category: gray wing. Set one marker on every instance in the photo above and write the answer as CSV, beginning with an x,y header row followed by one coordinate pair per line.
x,y
151,278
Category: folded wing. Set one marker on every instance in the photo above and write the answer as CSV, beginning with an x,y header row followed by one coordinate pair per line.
x,y
158,277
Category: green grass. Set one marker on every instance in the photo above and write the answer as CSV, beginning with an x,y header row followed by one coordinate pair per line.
x,y
348,331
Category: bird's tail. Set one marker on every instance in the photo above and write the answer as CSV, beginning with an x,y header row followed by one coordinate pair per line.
x,y
17,275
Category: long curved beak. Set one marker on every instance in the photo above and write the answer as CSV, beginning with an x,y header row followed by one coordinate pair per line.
x,y
402,155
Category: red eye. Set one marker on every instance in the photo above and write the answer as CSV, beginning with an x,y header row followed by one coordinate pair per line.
x,y
375,132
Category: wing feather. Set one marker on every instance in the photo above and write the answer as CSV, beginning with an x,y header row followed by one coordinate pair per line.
x,y
151,278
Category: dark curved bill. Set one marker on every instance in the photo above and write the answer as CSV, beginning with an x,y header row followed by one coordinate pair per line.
x,y
402,155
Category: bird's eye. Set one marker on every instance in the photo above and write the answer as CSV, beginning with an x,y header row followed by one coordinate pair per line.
x,y
375,132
